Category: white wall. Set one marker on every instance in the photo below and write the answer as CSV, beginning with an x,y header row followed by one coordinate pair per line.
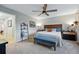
x,y
32,30
65,20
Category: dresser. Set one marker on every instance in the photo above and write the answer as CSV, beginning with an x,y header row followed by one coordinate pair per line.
x,y
69,35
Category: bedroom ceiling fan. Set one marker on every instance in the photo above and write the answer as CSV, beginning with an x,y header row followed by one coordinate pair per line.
x,y
45,11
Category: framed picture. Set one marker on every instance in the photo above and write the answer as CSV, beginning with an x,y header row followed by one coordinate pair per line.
x,y
32,24
9,23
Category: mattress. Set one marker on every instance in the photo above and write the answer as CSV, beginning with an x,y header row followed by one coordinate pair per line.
x,y
50,36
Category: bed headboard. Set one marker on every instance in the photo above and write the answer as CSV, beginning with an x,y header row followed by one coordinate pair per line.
x,y
53,26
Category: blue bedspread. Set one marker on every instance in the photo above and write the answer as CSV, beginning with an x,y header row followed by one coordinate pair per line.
x,y
52,38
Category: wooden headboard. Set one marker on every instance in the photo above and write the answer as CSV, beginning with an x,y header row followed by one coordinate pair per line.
x,y
53,26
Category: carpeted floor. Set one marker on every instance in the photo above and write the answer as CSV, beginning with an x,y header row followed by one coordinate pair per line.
x,y
25,47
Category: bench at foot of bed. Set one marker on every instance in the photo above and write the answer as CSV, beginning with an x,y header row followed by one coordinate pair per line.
x,y
49,44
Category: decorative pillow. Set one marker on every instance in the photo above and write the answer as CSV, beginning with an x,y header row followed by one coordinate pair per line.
x,y
49,30
54,29
58,29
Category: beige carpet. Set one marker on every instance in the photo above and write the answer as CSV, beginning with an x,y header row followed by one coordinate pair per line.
x,y
25,47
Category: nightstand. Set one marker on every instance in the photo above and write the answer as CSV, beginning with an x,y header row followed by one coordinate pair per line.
x,y
69,36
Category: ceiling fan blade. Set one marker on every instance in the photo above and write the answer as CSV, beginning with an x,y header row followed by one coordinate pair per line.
x,y
54,10
44,7
36,11
47,14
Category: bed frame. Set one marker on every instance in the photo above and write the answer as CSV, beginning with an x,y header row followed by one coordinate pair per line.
x,y
48,43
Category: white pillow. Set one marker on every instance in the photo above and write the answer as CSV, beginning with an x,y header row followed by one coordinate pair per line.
x,y
54,29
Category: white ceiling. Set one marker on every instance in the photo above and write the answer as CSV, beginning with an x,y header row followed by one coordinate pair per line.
x,y
27,9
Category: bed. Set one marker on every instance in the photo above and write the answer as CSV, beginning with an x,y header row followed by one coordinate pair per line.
x,y
51,36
